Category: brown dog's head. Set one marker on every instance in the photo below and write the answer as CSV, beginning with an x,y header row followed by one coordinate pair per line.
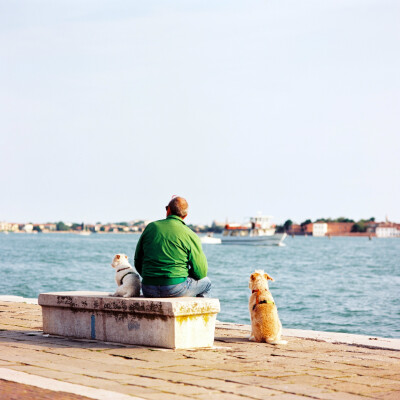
x,y
259,280
119,259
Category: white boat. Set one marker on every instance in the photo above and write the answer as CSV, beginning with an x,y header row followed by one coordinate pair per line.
x,y
259,231
84,233
209,239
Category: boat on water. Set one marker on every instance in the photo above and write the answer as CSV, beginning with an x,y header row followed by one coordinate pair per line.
x,y
85,232
258,231
209,239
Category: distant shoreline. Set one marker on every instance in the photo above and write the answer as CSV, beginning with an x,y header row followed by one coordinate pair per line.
x,y
71,233
347,234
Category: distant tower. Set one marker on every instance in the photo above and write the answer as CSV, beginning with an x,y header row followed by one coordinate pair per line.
x,y
387,219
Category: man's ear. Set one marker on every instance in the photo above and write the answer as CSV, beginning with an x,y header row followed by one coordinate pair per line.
x,y
269,277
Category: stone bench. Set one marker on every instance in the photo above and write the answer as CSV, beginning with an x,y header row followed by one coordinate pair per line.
x,y
175,323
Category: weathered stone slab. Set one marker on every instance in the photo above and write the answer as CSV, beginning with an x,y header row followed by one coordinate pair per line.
x,y
176,323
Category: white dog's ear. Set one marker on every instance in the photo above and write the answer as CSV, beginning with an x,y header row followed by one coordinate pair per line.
x,y
266,276
254,275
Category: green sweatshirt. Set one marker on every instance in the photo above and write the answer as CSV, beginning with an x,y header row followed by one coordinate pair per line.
x,y
168,252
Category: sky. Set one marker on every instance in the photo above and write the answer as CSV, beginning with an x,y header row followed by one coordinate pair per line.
x,y
289,108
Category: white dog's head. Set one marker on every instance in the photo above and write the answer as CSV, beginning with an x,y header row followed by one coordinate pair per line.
x,y
259,280
119,259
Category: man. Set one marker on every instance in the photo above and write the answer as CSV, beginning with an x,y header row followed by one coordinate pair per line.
x,y
169,257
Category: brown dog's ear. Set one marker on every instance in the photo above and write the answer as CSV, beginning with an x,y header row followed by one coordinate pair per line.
x,y
126,257
253,276
117,256
269,277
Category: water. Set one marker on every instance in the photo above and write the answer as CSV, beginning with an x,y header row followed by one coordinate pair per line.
x,y
340,284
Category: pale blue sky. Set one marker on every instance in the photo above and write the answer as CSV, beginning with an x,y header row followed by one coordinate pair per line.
x,y
288,107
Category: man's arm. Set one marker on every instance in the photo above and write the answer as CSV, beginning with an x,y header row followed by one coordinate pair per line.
x,y
139,255
197,259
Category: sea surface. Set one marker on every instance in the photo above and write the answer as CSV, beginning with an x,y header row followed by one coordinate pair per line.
x,y
340,284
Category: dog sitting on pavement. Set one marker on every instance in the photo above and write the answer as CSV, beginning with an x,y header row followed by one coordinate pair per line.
x,y
265,323
127,280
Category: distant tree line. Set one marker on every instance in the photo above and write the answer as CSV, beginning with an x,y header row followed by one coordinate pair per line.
x,y
359,226
62,227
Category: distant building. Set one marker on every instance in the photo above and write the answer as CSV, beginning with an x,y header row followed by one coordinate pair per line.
x,y
320,229
14,227
387,230
97,227
5,226
339,228
50,227
308,229
371,226
331,228
39,227
28,228
295,229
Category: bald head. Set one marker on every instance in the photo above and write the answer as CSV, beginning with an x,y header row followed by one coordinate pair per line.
x,y
178,206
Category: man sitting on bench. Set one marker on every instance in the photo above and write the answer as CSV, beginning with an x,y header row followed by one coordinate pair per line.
x,y
169,257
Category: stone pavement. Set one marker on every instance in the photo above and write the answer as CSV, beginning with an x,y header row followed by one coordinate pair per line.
x,y
235,369
12,390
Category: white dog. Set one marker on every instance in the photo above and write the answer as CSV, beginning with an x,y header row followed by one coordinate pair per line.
x,y
265,323
127,280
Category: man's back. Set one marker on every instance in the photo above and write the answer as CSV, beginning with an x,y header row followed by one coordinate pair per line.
x,y
168,252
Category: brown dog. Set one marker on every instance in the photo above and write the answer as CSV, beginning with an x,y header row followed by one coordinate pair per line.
x,y
265,323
